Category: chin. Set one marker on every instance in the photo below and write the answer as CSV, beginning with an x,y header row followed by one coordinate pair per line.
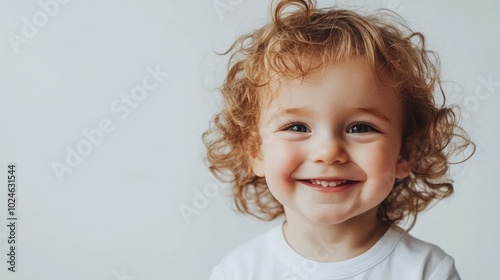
x,y
327,218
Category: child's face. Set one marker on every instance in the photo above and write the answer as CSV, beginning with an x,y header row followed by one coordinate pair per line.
x,y
335,126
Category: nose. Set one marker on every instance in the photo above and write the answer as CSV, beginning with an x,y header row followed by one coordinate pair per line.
x,y
329,151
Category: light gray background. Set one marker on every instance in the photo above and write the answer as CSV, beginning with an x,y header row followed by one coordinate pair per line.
x,y
116,215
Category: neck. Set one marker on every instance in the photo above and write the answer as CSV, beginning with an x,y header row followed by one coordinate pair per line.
x,y
333,243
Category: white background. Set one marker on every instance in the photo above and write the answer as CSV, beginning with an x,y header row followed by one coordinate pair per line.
x,y
116,215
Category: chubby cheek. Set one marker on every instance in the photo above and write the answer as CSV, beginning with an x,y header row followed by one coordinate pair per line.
x,y
379,166
282,158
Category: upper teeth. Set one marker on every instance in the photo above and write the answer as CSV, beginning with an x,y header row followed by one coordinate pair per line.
x,y
328,183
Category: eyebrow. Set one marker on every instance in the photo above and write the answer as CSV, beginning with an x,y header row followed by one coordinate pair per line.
x,y
296,111
304,111
374,112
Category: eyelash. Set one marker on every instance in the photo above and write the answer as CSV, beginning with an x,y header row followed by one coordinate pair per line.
x,y
370,127
292,124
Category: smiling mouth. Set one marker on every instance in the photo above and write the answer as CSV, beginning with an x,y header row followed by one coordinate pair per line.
x,y
328,183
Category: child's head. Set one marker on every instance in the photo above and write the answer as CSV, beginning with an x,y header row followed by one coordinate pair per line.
x,y
320,97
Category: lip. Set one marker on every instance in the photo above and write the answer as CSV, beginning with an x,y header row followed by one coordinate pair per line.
x,y
341,188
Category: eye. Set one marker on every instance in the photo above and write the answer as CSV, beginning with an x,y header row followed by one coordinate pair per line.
x,y
360,128
297,127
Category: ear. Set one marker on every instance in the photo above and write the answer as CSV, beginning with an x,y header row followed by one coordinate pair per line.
x,y
257,163
403,168
405,161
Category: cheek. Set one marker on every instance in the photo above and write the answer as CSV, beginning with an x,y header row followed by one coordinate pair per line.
x,y
281,159
380,174
281,156
382,153
379,163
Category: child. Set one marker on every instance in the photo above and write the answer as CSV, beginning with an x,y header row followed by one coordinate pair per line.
x,y
329,119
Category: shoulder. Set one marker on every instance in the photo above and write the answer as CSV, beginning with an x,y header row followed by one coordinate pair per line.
x,y
246,258
427,258
412,246
249,250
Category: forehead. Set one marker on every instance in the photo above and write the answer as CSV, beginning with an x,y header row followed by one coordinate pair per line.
x,y
334,87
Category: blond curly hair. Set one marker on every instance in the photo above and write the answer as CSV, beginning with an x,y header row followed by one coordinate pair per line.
x,y
301,38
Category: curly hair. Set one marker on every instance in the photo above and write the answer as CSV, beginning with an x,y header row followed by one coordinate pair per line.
x,y
301,38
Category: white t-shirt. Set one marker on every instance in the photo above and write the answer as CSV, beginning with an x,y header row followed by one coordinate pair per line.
x,y
397,255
